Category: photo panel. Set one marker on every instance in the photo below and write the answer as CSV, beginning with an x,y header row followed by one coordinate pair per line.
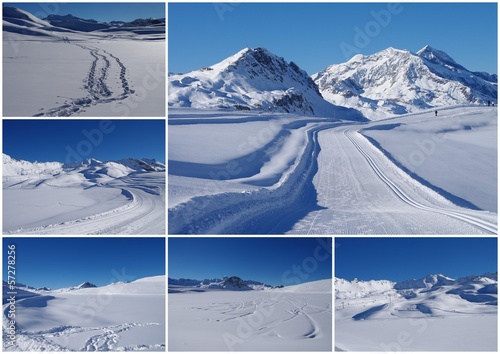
x,y
88,59
84,294
249,294
416,294
80,177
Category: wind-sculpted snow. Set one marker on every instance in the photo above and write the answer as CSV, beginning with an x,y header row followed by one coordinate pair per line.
x,y
301,175
117,317
90,197
269,320
443,315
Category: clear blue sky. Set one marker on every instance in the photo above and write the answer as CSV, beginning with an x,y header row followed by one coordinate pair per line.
x,y
62,262
274,261
406,258
99,11
46,140
315,35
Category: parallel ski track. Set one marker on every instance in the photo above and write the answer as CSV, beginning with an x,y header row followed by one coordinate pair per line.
x,y
263,211
485,225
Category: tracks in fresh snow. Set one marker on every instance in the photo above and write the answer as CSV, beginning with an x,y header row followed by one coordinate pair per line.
x,y
106,81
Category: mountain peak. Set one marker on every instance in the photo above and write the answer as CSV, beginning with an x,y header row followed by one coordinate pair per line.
x,y
436,56
86,285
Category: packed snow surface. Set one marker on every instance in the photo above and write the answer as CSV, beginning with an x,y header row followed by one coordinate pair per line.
x,y
54,71
296,318
116,317
435,313
90,197
236,172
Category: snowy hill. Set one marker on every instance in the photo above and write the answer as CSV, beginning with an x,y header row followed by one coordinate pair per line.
x,y
394,81
252,79
88,169
438,313
89,196
131,318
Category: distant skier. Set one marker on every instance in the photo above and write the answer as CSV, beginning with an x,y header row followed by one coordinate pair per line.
x,y
489,103
436,112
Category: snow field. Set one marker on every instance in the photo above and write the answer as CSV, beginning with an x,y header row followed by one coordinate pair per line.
x,y
218,320
134,205
118,317
83,74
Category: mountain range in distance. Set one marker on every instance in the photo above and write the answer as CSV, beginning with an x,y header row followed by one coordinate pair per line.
x,y
90,168
224,283
467,287
14,17
390,82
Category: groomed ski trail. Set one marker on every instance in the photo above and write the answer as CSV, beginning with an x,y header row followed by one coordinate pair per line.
x,y
143,215
340,184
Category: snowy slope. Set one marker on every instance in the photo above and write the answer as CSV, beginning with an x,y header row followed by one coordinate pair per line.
x,y
92,69
394,81
431,310
296,318
84,197
117,317
252,79
250,173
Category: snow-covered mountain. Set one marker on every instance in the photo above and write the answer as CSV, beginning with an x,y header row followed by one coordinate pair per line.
x,y
394,81
88,169
253,79
486,283
78,24
428,282
225,283
20,21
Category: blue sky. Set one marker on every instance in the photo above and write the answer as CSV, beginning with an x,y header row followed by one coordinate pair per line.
x,y
99,11
62,139
406,258
62,262
274,261
315,35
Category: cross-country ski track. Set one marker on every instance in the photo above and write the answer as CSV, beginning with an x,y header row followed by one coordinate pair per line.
x,y
143,214
340,183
